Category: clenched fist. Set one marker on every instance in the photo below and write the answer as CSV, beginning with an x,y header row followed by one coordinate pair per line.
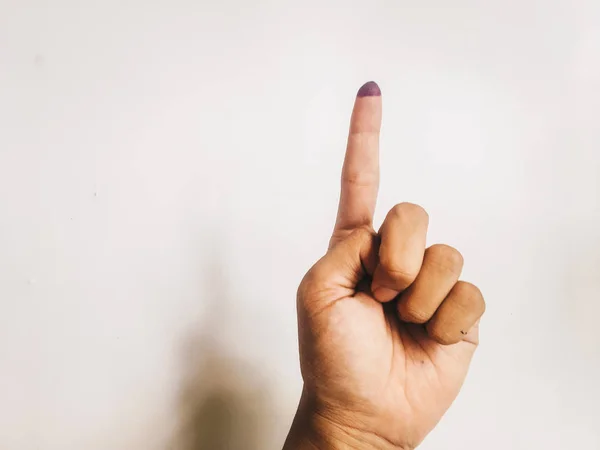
x,y
386,329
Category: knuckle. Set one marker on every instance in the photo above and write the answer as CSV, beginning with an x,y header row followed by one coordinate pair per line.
x,y
411,210
467,298
446,257
477,304
469,292
482,306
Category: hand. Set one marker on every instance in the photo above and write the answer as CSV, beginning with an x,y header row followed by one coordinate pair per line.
x,y
386,330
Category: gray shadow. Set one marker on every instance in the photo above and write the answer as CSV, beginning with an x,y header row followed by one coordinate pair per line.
x,y
223,402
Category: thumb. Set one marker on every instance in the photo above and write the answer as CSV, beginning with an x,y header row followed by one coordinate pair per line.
x,y
337,274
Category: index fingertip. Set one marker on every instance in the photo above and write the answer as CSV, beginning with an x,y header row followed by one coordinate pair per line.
x,y
369,89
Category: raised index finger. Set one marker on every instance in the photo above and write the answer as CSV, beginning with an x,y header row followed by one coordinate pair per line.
x,y
360,173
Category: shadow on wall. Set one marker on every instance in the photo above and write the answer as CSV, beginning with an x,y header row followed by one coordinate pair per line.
x,y
223,403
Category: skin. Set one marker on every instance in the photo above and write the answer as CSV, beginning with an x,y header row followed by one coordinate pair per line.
x,y
386,329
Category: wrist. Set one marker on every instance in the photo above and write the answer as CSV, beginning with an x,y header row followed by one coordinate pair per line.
x,y
315,429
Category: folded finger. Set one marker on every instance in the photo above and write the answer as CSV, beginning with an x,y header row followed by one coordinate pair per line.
x,y
403,236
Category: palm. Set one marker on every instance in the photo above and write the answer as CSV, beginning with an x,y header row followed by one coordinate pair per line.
x,y
393,369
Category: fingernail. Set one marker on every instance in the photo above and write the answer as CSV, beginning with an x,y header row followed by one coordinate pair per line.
x,y
384,294
369,89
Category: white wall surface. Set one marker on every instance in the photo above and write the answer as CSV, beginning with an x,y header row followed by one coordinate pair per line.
x,y
169,170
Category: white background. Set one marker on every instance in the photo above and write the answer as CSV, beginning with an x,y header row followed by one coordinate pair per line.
x,y
169,170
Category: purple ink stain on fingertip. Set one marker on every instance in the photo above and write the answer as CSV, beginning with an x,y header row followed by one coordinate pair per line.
x,y
369,89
